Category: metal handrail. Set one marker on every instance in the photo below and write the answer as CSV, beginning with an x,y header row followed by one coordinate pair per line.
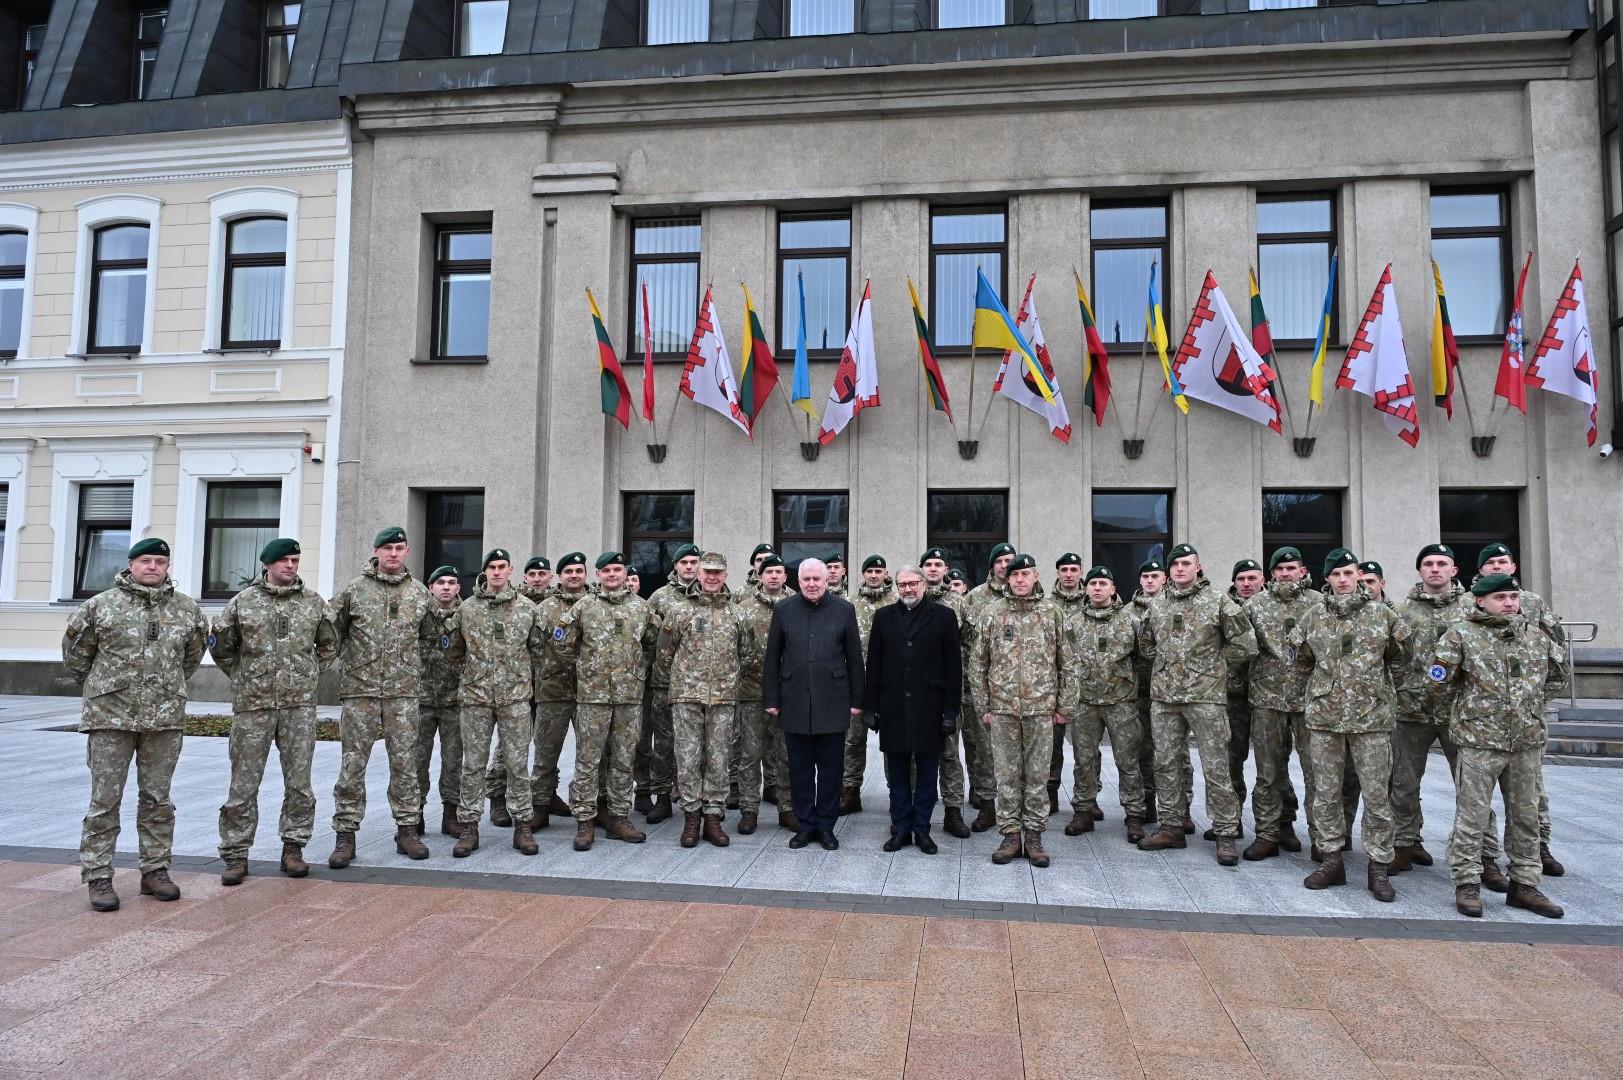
x,y
1567,629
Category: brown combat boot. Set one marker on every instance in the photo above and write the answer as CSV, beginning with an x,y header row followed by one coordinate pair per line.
x,y
1226,855
1034,850
1080,822
1135,829
1162,838
1380,886
953,821
643,802
620,828
691,823
1400,861
1189,826
1493,878
1528,898
540,816
1009,850
236,872
769,794
1419,855
1096,813
1053,801
1260,849
102,896
1332,871
343,850
1552,865
788,820
557,807
987,817
714,833
448,825
1468,900
524,839
975,799
585,834
850,801
293,864
603,816
409,844
467,841
156,884
733,796
499,816
661,810
747,821
1288,839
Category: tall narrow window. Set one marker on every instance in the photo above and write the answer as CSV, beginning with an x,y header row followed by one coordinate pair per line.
x,y
5,505
481,27
814,252
13,268
1309,521
241,519
149,25
1123,9
118,289
667,22
104,536
281,29
963,240
656,524
455,533
1470,239
1471,518
968,524
1127,239
808,17
1296,235
810,525
462,293
33,38
665,258
1268,5
1128,528
255,263
952,13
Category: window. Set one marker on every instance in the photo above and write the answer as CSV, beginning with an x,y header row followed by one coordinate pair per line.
x,y
281,29
33,38
809,525
13,268
1128,528
963,240
148,34
1471,519
1296,236
968,524
241,519
462,293
5,504
454,534
104,536
814,250
481,27
255,262
1470,239
1309,521
1270,5
666,22
665,258
808,17
951,13
118,289
1123,9
656,524
1128,238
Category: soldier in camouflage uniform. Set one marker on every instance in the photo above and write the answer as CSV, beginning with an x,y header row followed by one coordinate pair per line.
x,y
1192,634
656,761
495,642
554,684
933,565
537,579
437,710
1152,582
381,617
1356,645
1277,689
273,640
761,736
1026,681
1501,668
752,577
1373,579
536,587
1245,581
131,649
608,635
835,561
874,593
957,582
978,755
1068,599
705,643
1103,638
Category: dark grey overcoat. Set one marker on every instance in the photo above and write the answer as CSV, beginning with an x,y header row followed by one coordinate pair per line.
x,y
812,670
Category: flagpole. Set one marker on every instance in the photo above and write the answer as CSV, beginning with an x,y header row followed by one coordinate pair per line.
x,y
1465,398
1273,361
1143,363
971,419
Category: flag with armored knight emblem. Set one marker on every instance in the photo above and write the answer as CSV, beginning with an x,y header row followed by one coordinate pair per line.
x,y
1020,385
1218,363
1564,361
1377,364
856,380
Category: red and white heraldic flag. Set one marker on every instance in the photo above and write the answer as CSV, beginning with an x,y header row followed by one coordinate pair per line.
x,y
1564,362
1218,363
1378,365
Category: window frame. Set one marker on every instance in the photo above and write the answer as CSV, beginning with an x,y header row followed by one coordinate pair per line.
x,y
642,36
27,56
935,249
1332,238
1501,232
1160,9
138,87
433,536
840,540
21,275
445,266
1163,246
634,302
974,575
98,266
270,35
1128,588
211,523
856,20
456,29
1008,20
652,578
230,262
1467,545
1272,541
784,254
82,530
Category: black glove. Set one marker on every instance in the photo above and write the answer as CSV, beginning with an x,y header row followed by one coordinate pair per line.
x,y
870,719
949,723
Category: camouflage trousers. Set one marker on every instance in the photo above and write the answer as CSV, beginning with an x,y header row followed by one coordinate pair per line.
x,y
1239,710
1273,797
358,727
1020,749
446,722
553,719
1519,778
294,733
108,754
1349,779
512,725
1170,726
1146,758
952,765
1087,729
656,752
1056,761
1411,744
856,753
980,756
1370,753
761,754
604,735
702,734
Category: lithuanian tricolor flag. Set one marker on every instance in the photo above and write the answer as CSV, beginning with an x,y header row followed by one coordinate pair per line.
x,y
933,384
760,372
1445,352
611,380
1262,339
1095,361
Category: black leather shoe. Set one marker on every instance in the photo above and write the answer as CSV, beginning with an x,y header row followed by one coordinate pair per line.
x,y
925,844
828,840
899,841
801,839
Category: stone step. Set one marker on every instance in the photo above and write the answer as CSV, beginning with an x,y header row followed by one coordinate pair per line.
x,y
1590,715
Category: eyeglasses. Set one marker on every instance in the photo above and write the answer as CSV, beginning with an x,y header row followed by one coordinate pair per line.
x,y
910,584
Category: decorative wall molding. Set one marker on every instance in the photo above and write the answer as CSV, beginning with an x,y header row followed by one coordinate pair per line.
x,y
79,460
258,456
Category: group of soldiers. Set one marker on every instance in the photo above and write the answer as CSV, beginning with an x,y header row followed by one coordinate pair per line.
x,y
664,698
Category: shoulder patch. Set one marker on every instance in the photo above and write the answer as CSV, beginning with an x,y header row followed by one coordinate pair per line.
x,y
558,634
211,641
1437,672
445,641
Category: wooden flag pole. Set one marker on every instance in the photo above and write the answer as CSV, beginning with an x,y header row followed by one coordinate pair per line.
x,y
1143,363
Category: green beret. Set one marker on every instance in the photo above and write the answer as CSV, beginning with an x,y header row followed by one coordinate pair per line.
x,y
771,561
1243,565
537,562
834,557
933,553
150,546
609,558
394,534
496,555
1493,551
1492,583
1433,549
1284,554
1151,566
1372,567
632,571
760,549
442,571
873,562
1070,558
998,552
1338,558
1021,562
1099,572
681,553
574,558
278,549
955,574
1182,551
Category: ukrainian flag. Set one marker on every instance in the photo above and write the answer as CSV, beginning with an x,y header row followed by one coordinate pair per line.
x,y
995,330
1315,383
1155,325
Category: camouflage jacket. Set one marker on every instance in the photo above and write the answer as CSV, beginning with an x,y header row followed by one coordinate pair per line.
x,y
1419,699
1278,676
132,648
495,641
441,678
867,602
842,590
273,642
607,635
381,618
1191,636
944,596
533,594
1239,674
673,592
1499,670
1356,645
1143,666
756,609
1023,663
706,643
985,593
1104,639
553,676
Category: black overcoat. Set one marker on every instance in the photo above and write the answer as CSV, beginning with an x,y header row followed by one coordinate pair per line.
x,y
812,670
914,677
